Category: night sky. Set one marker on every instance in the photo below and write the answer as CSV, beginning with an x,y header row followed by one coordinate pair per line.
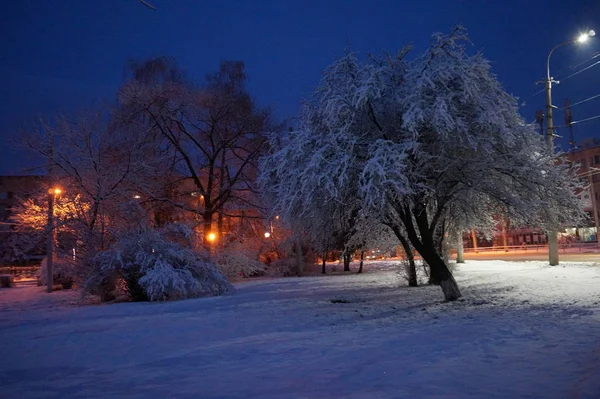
x,y
64,56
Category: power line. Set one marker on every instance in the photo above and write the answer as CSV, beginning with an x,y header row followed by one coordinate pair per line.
x,y
586,119
524,102
583,101
595,55
581,70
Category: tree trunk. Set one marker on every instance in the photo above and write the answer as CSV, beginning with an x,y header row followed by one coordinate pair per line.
x,y
299,258
425,243
221,189
440,274
474,238
412,268
460,250
324,261
362,258
347,257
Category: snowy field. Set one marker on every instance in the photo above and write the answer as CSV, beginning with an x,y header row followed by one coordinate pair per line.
x,y
523,330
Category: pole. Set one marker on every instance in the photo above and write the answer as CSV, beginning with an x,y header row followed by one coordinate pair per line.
x,y
50,243
552,235
594,205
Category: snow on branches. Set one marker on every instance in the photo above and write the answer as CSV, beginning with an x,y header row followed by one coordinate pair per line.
x,y
157,265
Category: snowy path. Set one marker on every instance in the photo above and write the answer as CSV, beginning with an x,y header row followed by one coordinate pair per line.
x,y
524,330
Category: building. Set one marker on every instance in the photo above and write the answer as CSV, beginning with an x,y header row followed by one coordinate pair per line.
x,y
587,156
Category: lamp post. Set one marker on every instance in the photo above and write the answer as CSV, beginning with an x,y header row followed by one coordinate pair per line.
x,y
50,238
553,235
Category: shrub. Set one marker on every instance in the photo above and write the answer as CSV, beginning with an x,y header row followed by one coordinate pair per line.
x,y
64,272
156,269
235,261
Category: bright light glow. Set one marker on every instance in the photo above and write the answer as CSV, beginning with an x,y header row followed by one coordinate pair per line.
x,y
137,196
211,236
267,234
585,36
55,191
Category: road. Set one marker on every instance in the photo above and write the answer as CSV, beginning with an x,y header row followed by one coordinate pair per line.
x,y
523,255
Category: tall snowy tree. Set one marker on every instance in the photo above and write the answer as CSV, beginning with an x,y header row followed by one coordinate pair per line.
x,y
216,132
418,141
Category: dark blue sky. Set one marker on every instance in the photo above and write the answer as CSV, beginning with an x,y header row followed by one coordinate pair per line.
x,y
60,56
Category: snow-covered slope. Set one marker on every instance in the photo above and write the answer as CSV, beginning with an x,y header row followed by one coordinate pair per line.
x,y
523,330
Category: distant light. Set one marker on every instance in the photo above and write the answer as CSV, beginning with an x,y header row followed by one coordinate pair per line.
x,y
55,191
585,36
267,234
137,196
211,236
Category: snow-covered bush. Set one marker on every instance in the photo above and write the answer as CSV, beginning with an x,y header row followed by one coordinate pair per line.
x,y
155,268
239,264
64,272
282,268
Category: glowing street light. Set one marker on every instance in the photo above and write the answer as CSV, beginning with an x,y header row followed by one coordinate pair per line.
x,y
52,192
211,237
585,36
267,234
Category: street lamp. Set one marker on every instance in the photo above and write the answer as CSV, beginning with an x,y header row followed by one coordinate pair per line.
x,y
52,192
553,235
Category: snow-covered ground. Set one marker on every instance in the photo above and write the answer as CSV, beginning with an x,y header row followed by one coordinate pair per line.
x,y
523,330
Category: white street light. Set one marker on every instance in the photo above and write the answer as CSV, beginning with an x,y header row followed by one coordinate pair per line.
x,y
585,36
553,235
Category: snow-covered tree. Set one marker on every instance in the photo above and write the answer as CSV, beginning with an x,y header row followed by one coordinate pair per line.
x,y
418,141
158,264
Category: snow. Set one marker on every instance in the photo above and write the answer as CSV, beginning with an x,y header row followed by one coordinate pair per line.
x,y
522,330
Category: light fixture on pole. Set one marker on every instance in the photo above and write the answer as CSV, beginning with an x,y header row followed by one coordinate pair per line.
x,y
53,192
553,235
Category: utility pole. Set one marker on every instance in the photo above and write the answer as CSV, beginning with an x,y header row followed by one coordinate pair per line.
x,y
50,242
552,235
569,123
